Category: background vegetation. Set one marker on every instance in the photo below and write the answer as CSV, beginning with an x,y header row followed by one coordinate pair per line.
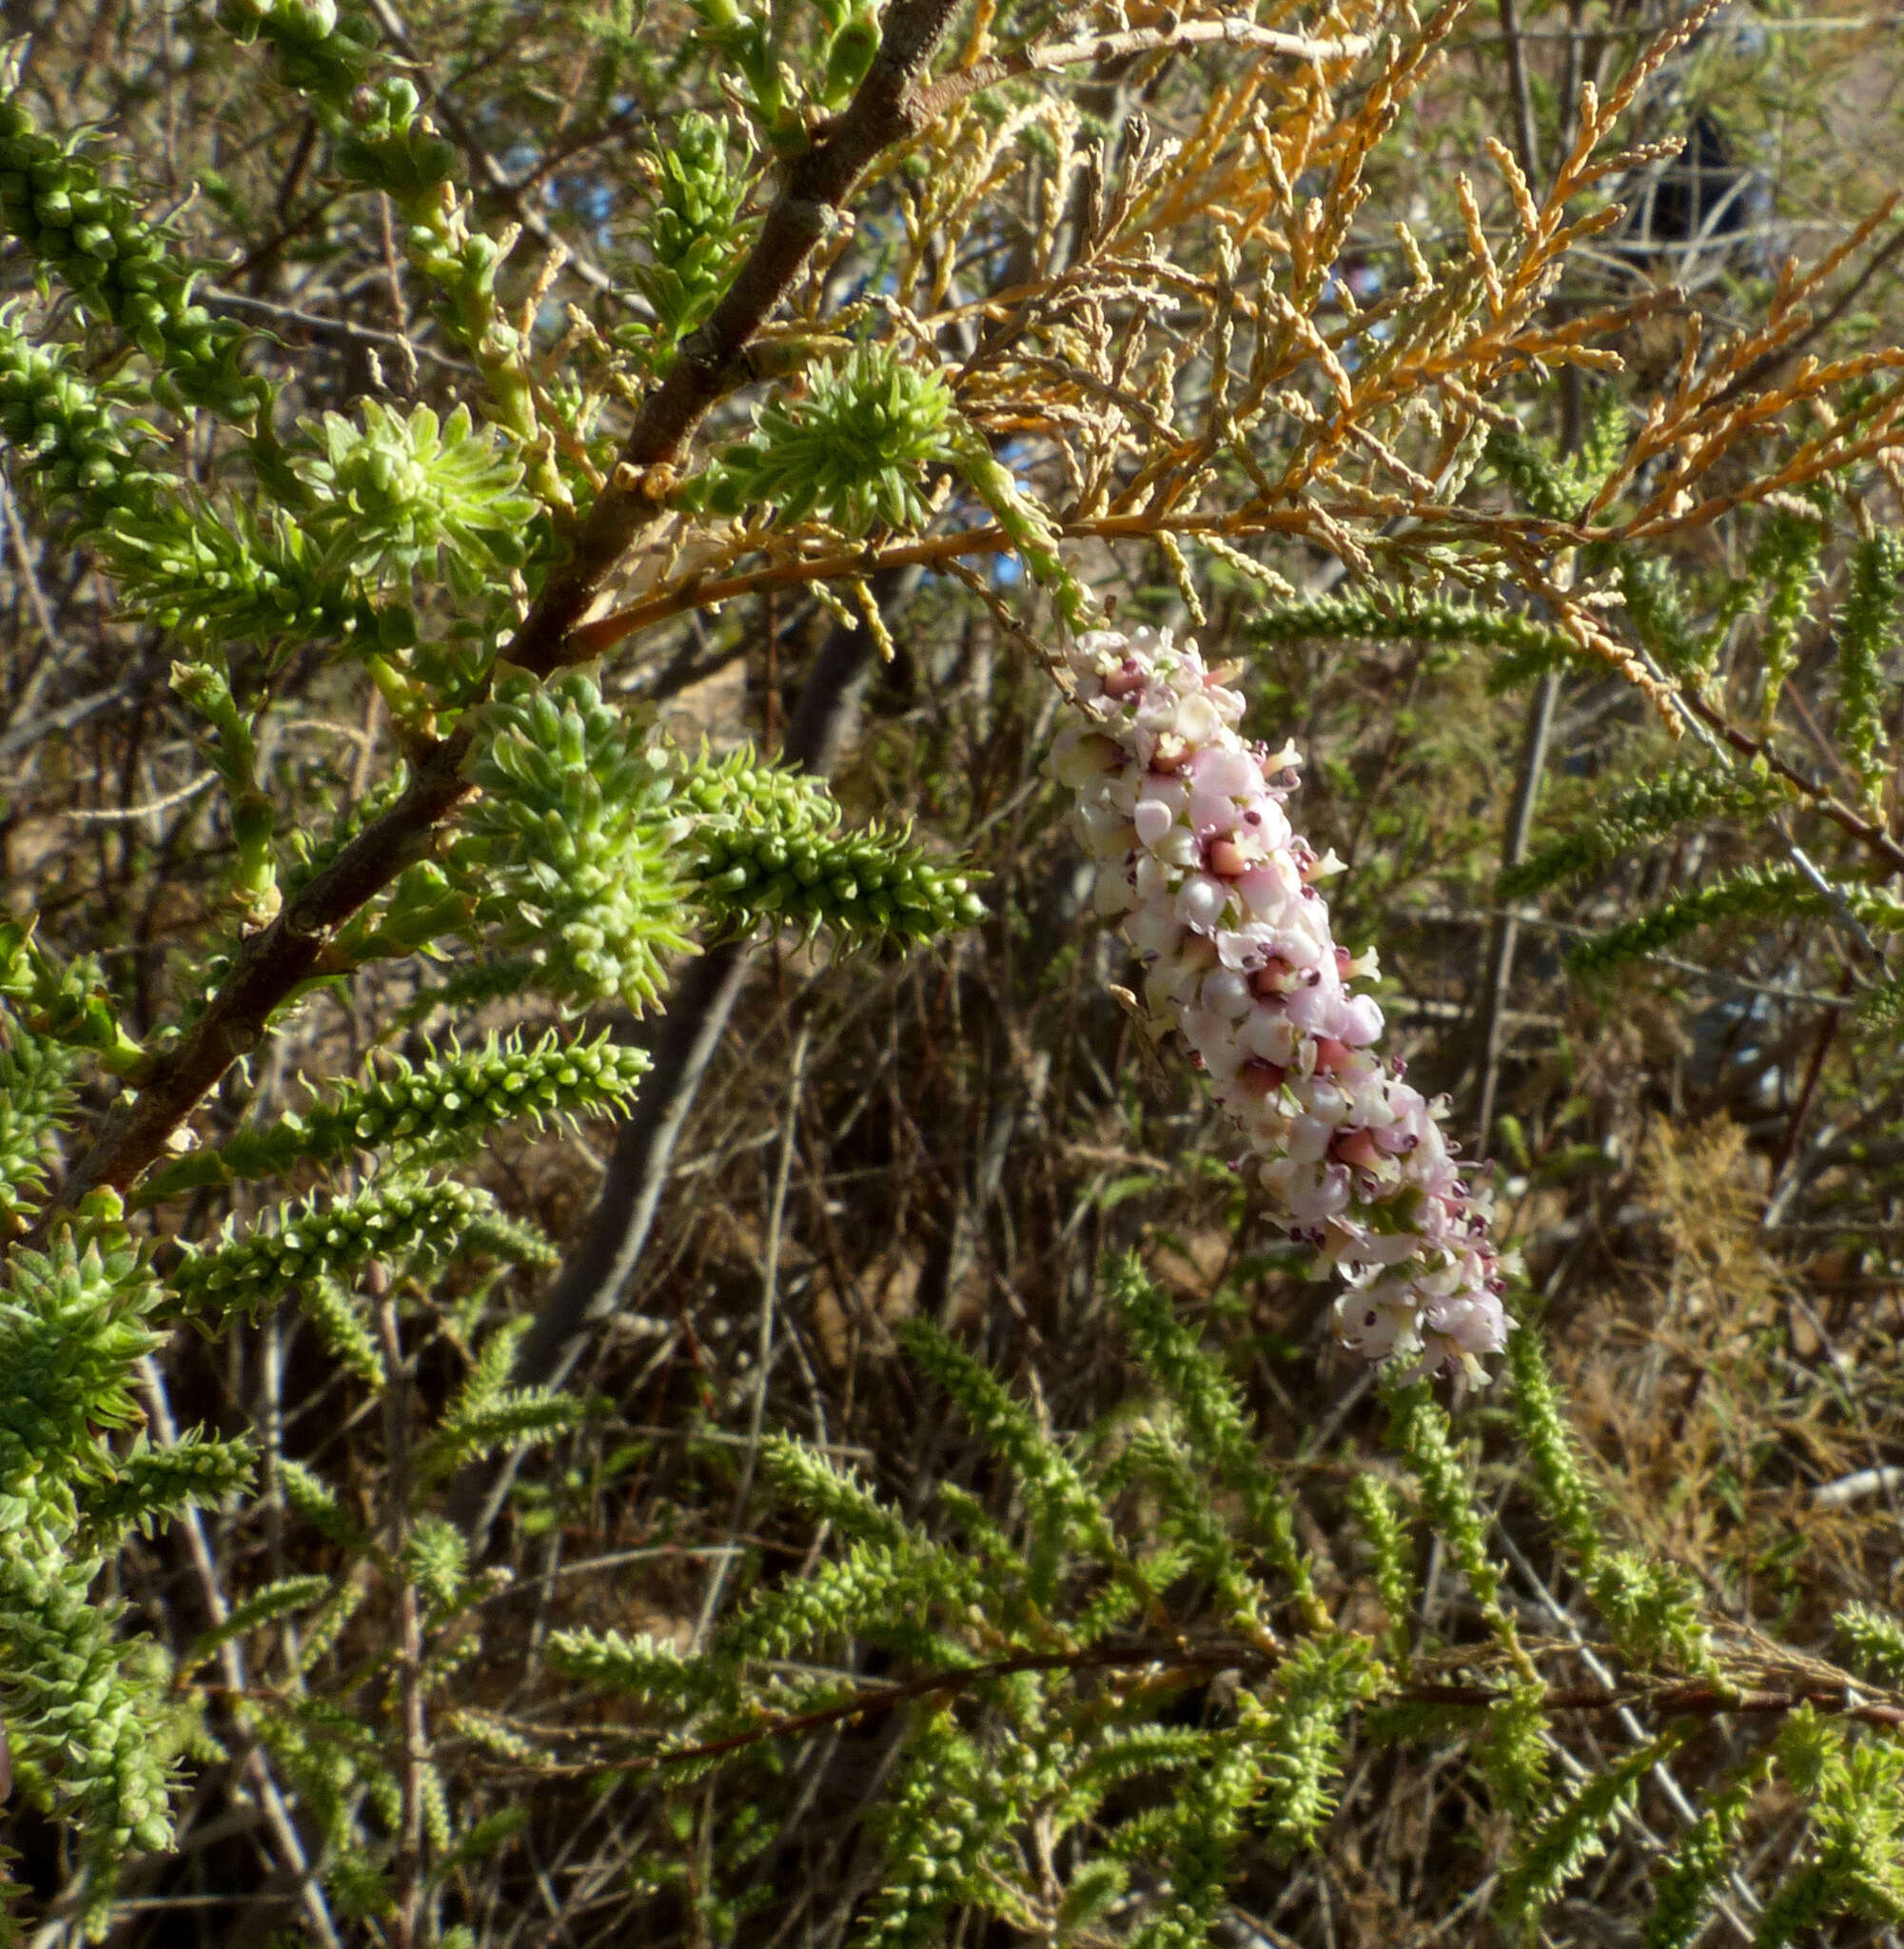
x,y
513,1432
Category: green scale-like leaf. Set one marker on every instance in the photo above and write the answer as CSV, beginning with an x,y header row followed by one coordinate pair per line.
x,y
695,230
426,1108
71,445
770,849
572,849
407,1221
853,452
118,264
35,1096
87,1729
401,496
1685,796
72,1323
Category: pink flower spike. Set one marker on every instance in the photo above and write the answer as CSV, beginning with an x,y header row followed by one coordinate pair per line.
x,y
1198,864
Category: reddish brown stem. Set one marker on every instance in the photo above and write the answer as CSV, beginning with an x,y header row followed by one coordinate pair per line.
x,y
1866,832
1162,1664
1795,1127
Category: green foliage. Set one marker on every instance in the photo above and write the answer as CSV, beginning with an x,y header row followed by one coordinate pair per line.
x,y
72,1323
36,1094
1540,479
1515,1753
1686,794
1700,1862
1577,1831
1652,1610
811,1482
1856,1860
1302,1730
1876,1641
234,753
312,1499
393,147
416,1110
778,93
72,447
401,496
487,1417
1866,640
407,1221
642,1668
1567,1500
1421,1434
695,232
320,48
86,1710
769,851
149,1486
1215,1428
118,266
1276,1767
1649,1607
1021,1738
1657,607
571,849
1786,563
1027,525
1378,617
950,1799
876,1591
229,572
852,453
274,1601
88,1725
1380,1517
1063,1507
1751,893
340,1324
436,1557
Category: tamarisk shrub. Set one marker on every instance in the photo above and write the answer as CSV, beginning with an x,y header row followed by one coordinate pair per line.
x,y
411,1529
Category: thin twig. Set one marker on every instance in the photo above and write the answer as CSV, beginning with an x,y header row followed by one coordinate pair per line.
x,y
1096,50
256,1767
763,1350
1159,1663
1519,836
409,1866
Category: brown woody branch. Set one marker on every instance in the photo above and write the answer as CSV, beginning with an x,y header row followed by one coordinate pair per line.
x,y
1163,1664
271,965
592,640
886,109
268,970
1867,832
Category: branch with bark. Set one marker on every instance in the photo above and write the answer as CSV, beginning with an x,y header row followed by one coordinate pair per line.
x,y
1164,1664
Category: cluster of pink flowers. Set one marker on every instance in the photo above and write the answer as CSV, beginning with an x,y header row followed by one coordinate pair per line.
x,y
1197,861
